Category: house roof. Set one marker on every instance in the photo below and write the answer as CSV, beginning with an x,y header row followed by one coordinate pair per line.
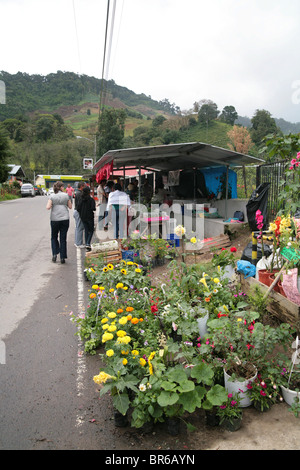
x,y
175,157
16,170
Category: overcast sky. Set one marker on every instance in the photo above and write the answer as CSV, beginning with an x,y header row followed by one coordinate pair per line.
x,y
243,53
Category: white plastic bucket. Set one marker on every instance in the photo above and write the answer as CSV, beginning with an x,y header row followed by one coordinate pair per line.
x,y
234,386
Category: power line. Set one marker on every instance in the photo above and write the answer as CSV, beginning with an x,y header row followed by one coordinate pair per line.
x,y
77,40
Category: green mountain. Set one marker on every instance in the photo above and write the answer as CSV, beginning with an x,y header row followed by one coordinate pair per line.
x,y
67,91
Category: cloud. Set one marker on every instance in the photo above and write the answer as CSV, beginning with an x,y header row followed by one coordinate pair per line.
x,y
232,52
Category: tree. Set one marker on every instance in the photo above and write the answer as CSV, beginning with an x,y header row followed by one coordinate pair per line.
x,y
240,139
4,153
208,112
262,125
111,129
229,115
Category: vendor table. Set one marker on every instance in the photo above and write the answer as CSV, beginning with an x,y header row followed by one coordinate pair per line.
x,y
150,222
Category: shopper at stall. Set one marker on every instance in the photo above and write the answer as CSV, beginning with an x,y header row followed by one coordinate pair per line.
x,y
86,209
117,206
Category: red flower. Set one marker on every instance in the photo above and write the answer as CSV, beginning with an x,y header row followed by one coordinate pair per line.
x,y
233,249
154,308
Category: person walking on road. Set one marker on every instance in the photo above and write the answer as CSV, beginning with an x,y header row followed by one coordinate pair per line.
x,y
79,227
101,203
59,204
70,191
86,208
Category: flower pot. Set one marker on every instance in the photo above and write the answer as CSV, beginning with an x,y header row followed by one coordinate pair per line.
x,y
235,386
173,426
228,273
259,407
232,425
202,325
211,418
289,396
264,277
120,420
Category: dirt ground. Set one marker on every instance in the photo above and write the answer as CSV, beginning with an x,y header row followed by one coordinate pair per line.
x,y
275,429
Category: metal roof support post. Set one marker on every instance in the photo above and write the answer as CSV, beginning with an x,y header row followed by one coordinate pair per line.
x,y
226,215
245,180
139,185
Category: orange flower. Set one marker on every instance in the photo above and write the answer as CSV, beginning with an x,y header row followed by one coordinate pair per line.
x,y
93,295
207,299
134,321
141,319
129,317
129,309
120,310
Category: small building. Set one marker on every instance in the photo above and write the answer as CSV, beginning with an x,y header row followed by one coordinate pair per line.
x,y
16,173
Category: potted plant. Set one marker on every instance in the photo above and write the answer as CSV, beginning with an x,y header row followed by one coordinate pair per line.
x,y
263,392
230,413
290,386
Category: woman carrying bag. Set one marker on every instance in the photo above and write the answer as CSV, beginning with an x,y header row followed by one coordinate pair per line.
x,y
59,204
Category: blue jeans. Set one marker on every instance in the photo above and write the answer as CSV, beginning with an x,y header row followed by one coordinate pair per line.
x,y
79,228
89,230
59,228
119,219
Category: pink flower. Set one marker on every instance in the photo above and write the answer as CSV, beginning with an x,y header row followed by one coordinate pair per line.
x,y
263,394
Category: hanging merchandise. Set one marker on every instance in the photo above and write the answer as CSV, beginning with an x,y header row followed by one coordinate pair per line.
x,y
258,201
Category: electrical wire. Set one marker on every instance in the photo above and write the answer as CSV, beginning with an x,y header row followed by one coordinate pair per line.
x,y
77,40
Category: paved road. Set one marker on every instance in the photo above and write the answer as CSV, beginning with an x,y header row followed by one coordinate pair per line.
x,y
42,378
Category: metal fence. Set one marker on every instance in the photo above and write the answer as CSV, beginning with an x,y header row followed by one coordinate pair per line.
x,y
272,173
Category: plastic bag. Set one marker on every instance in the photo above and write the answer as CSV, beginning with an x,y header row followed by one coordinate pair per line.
x,y
246,268
247,253
258,201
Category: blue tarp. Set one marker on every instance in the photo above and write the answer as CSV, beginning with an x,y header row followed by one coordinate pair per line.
x,y
213,182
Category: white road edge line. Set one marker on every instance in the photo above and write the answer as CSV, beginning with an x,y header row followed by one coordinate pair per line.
x,y
81,362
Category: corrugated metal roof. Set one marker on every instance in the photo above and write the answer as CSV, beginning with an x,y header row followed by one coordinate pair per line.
x,y
176,157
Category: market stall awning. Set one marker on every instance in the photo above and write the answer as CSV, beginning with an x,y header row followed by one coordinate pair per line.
x,y
175,157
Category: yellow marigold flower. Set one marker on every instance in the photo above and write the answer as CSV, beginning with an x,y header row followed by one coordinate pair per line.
x,y
193,240
142,361
134,352
107,337
124,352
129,309
110,266
119,285
138,270
121,333
239,319
104,320
111,290
93,295
125,288
112,328
216,280
105,269
95,286
124,339
112,315
102,288
123,320
102,378
124,362
104,327
110,352
123,271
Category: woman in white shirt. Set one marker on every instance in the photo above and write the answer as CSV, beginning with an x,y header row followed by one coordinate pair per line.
x,y
59,204
118,204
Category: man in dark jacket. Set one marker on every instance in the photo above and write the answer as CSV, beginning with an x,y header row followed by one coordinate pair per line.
x,y
79,227
86,208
